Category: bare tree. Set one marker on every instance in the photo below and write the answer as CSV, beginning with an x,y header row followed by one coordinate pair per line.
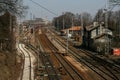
x,y
87,19
9,11
99,17
15,7
65,19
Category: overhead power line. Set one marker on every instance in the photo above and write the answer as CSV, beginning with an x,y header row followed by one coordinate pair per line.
x,y
44,8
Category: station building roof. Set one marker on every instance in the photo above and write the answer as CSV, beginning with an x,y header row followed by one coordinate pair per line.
x,y
73,28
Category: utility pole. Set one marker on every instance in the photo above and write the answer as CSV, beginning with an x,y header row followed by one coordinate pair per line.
x,y
67,39
82,25
72,24
18,32
63,23
10,23
118,26
82,29
106,29
57,24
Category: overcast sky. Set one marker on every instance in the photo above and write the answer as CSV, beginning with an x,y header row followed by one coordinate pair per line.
x,y
59,6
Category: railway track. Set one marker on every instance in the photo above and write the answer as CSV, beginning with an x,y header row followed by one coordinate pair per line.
x,y
27,63
45,57
96,64
110,66
68,68
23,57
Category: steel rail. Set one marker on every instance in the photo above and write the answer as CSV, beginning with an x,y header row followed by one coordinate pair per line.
x,y
81,60
52,74
63,60
23,62
30,63
107,65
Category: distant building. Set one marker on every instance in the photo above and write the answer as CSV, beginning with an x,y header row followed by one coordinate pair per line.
x,y
97,37
74,32
38,22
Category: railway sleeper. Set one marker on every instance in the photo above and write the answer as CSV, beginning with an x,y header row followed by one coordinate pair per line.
x,y
49,75
62,72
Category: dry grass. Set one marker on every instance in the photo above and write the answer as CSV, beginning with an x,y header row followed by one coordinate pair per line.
x,y
9,68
